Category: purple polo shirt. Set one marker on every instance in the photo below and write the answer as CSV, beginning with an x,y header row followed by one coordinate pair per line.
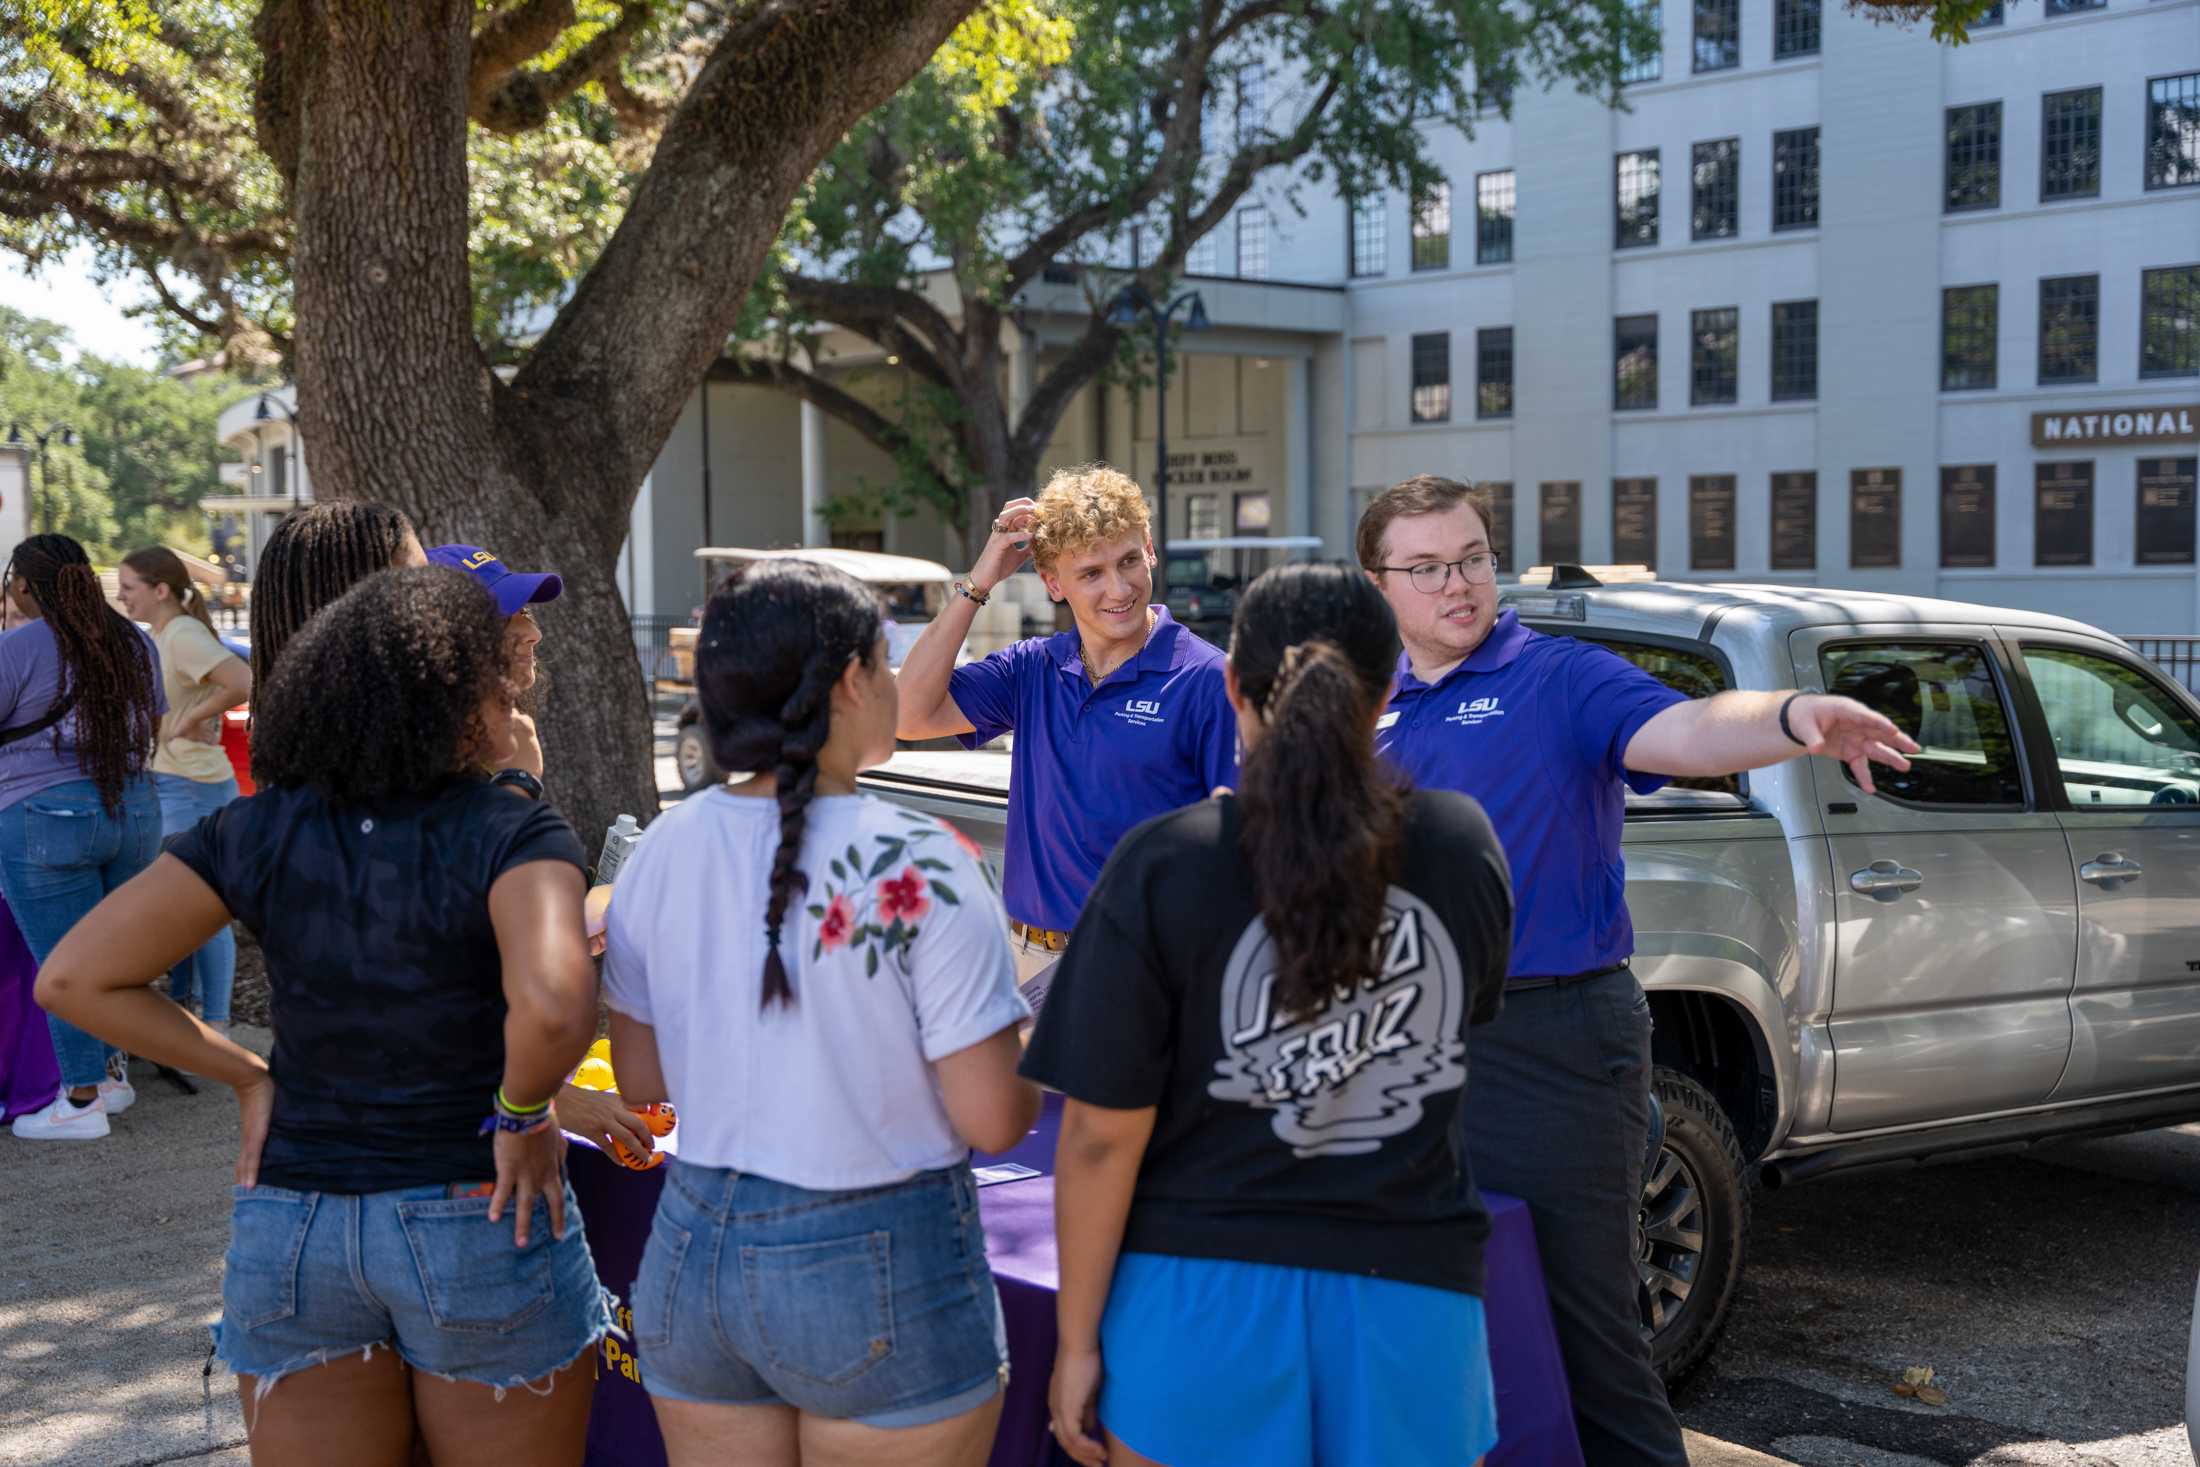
x,y
1535,728
1091,762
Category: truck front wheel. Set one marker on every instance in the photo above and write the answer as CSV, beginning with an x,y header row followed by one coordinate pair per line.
x,y
691,755
1690,1230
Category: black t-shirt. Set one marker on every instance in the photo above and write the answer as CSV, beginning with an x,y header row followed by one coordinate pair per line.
x,y
382,967
1334,1141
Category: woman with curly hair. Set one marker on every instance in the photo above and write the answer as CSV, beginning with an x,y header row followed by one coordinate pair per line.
x,y
427,969
80,698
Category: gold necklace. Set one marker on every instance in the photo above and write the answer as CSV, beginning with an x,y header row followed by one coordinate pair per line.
x,y
1092,669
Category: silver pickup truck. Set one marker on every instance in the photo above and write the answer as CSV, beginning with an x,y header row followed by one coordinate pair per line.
x,y
2000,947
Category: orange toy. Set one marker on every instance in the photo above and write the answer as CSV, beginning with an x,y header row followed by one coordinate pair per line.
x,y
660,1120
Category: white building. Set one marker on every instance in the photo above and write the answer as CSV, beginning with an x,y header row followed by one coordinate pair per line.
x,y
269,482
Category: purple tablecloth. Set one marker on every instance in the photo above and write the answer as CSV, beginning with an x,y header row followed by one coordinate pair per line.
x,y
1534,1410
29,1075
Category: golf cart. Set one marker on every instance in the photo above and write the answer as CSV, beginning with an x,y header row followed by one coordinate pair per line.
x,y
1204,576
911,592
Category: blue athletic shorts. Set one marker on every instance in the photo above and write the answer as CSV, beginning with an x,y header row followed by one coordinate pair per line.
x,y
1211,1363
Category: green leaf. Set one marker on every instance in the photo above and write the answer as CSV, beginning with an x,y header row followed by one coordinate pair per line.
x,y
884,862
817,949
946,893
870,962
817,911
932,863
855,859
840,870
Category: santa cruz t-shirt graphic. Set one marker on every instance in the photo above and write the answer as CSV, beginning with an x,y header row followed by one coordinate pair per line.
x,y
1355,1071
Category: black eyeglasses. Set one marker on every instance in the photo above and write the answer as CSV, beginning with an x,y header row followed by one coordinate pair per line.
x,y
1431,576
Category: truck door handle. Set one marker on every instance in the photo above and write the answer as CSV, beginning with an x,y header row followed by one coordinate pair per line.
x,y
2110,867
1885,881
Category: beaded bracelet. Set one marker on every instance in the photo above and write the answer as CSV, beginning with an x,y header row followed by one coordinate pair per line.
x,y
517,1125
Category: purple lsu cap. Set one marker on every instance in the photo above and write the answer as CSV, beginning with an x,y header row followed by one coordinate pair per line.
x,y
513,589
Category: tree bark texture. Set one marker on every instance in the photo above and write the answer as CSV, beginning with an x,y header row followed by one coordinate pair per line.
x,y
364,106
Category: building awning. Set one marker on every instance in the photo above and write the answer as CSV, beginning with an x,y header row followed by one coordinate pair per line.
x,y
249,503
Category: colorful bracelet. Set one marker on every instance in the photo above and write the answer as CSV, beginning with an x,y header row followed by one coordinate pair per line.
x,y
506,1107
972,594
517,1125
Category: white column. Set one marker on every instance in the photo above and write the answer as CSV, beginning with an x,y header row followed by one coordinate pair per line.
x,y
1023,372
1298,445
813,476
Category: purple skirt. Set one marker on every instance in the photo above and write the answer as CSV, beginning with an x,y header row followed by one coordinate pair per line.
x,y
29,1076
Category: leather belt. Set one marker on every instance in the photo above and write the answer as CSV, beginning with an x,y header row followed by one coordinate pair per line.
x,y
1045,937
1566,980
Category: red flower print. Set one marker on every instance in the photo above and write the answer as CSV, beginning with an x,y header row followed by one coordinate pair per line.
x,y
904,898
837,923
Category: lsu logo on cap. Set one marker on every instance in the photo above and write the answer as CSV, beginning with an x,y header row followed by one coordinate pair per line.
x,y
479,559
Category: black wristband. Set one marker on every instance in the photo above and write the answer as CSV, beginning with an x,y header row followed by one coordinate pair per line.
x,y
1784,706
528,785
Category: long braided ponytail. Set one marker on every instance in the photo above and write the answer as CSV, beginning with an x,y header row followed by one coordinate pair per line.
x,y
315,556
775,639
107,670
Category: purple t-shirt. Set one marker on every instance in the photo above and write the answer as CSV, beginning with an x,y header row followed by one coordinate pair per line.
x,y
30,676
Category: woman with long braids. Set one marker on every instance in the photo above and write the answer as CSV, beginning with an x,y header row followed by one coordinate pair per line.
x,y
80,700
822,983
1270,1241
202,680
315,556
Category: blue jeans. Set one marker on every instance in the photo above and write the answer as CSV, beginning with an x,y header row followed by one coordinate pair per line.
x,y
211,972
60,854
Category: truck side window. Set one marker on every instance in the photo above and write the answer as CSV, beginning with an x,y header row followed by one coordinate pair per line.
x,y
1691,674
1943,695
2120,737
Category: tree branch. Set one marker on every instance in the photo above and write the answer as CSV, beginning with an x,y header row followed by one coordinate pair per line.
x,y
1093,351
507,40
524,99
784,376
885,314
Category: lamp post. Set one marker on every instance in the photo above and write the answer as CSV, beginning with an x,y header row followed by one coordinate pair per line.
x,y
67,435
1133,302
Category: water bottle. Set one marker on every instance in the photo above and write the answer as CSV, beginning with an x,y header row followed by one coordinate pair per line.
x,y
625,833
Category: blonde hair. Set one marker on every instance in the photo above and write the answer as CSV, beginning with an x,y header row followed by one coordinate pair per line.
x,y
1081,507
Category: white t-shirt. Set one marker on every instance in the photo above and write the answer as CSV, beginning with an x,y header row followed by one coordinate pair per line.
x,y
898,956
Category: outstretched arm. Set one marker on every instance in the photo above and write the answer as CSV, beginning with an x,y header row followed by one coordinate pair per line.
x,y
1733,731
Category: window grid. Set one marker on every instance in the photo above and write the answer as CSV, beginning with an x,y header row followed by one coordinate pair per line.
x,y
1995,15
1715,176
1203,257
1494,93
1635,201
1795,179
2073,7
1432,229
1252,101
1795,27
1718,35
1634,363
1648,64
1493,372
1974,157
2173,131
1714,366
1970,336
1432,377
1370,237
2169,322
1252,242
1493,217
2070,328
2070,144
1794,351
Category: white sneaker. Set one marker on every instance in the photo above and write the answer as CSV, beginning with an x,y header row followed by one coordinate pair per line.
x,y
63,1120
116,1091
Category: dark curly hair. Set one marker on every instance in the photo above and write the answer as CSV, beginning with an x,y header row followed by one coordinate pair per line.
x,y
776,637
1323,830
315,556
380,695
108,672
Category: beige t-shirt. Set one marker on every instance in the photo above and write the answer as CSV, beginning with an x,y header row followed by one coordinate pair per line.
x,y
188,653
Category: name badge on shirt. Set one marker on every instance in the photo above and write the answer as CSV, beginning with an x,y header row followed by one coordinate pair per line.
x,y
1386,720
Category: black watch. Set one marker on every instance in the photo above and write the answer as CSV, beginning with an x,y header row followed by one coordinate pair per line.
x,y
518,779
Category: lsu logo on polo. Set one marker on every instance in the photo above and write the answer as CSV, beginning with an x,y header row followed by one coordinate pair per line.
x,y
1144,712
1473,712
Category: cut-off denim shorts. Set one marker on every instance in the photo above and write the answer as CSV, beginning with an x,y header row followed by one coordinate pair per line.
x,y
313,1276
874,1306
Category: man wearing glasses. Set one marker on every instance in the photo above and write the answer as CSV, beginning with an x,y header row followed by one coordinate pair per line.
x,y
1548,734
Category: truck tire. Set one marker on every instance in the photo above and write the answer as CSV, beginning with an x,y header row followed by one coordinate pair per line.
x,y
1692,1226
691,756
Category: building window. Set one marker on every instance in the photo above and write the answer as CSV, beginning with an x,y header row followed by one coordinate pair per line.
x,y
1715,177
2070,144
1795,28
1794,351
2169,322
2070,328
1493,372
1635,363
1718,35
1493,93
1714,356
1432,229
1432,377
1203,257
1370,237
1795,178
2173,131
1974,157
1636,211
1969,336
1202,516
1493,217
1995,15
2073,7
1645,63
1252,225
1252,102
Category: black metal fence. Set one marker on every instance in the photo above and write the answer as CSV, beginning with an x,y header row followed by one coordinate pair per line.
x,y
2177,656
653,645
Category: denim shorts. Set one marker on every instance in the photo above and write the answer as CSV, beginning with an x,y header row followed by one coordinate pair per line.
x,y
311,1276
1215,1363
874,1306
